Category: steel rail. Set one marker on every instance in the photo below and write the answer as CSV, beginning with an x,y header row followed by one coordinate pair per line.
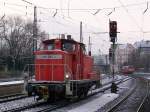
x,y
60,105
63,104
54,107
19,109
113,107
143,101
12,98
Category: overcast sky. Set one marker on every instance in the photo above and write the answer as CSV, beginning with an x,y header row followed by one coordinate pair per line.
x,y
133,23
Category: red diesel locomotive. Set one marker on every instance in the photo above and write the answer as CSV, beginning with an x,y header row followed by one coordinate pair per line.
x,y
62,69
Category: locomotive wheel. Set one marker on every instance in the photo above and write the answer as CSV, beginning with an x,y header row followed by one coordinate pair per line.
x,y
85,93
29,93
80,94
51,99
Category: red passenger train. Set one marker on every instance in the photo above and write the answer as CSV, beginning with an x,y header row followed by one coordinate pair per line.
x,y
128,69
62,69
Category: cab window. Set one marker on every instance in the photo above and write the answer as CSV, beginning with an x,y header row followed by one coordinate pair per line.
x,y
70,47
50,46
83,49
47,46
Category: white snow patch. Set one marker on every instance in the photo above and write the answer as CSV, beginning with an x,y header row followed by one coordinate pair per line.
x,y
124,87
96,104
11,83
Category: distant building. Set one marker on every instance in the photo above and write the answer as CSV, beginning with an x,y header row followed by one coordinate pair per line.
x,y
143,47
122,54
143,51
102,61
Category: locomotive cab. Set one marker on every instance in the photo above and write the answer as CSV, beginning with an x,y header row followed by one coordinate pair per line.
x,y
62,69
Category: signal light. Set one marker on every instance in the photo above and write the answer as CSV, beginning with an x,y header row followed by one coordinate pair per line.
x,y
113,30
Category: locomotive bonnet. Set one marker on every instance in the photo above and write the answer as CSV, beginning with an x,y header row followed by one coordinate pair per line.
x,y
61,69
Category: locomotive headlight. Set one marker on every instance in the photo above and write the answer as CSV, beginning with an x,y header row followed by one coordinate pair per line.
x,y
67,76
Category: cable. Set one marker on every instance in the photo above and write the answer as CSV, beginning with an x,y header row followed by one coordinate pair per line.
x,y
27,2
97,10
18,5
20,12
68,7
9,6
90,9
111,12
128,5
130,16
72,21
146,9
2,17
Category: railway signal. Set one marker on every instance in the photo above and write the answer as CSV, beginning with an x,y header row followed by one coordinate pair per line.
x,y
113,36
113,30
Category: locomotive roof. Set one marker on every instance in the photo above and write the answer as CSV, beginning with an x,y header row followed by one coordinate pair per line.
x,y
63,40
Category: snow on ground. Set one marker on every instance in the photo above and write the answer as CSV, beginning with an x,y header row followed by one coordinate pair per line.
x,y
11,83
110,78
105,80
94,105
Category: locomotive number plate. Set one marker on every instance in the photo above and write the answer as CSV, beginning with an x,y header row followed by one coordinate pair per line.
x,y
50,56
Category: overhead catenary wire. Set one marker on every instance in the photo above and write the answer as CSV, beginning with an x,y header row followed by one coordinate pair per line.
x,y
55,13
80,10
97,10
130,16
14,4
147,6
72,20
111,12
27,2
77,9
14,7
69,9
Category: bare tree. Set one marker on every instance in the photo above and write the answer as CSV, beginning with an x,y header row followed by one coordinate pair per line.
x,y
17,39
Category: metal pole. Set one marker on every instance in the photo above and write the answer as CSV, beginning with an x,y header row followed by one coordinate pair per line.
x,y
81,36
89,50
106,64
113,60
113,36
35,29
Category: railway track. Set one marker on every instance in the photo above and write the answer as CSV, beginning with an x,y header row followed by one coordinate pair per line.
x,y
44,107
141,106
19,109
64,103
112,109
8,98
121,105
48,107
